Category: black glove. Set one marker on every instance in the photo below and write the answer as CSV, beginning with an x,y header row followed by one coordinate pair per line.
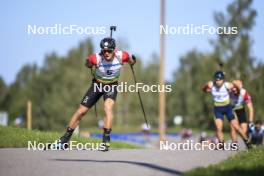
x,y
88,64
134,59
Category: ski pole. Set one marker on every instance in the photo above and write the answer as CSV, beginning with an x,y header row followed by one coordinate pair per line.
x,y
140,99
95,108
112,28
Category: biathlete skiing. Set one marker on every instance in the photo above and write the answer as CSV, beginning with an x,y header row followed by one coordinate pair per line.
x,y
220,90
241,100
107,66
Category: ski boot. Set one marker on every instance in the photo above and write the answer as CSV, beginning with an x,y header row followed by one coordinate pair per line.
x,y
106,139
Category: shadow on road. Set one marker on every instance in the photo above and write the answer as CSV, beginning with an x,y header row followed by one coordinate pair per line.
x,y
148,165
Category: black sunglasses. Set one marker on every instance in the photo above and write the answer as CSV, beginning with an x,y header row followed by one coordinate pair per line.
x,y
107,51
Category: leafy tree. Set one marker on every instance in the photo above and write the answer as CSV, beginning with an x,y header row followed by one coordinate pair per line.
x,y
3,92
234,50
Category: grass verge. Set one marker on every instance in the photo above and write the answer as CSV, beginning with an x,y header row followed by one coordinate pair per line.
x,y
19,137
244,163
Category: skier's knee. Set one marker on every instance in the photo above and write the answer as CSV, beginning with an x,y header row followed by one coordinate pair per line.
x,y
81,112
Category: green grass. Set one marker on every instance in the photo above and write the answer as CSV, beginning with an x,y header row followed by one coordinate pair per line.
x,y
19,137
244,163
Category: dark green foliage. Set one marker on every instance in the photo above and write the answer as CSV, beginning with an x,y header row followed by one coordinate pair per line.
x,y
196,68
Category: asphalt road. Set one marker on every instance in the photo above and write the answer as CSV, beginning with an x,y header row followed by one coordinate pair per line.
x,y
147,162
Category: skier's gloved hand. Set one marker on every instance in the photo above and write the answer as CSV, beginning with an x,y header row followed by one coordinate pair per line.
x,y
134,59
88,64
